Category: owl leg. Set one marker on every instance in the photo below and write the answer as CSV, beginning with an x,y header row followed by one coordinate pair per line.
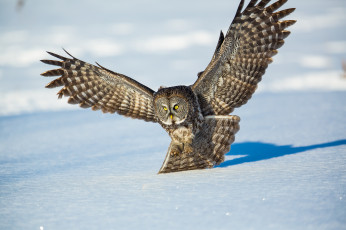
x,y
209,145
179,148
188,147
176,148
182,141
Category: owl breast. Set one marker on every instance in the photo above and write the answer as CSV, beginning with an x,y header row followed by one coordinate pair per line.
x,y
178,112
182,134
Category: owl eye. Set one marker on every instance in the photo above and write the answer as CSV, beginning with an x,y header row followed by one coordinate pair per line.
x,y
165,108
176,107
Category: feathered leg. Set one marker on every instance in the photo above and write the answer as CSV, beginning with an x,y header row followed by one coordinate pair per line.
x,y
209,145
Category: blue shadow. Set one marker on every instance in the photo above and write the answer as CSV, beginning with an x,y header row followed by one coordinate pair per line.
x,y
257,151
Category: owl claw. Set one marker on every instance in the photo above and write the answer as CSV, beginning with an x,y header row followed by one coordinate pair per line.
x,y
175,152
178,149
188,149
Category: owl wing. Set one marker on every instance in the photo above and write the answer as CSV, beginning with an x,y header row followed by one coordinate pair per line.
x,y
242,56
100,88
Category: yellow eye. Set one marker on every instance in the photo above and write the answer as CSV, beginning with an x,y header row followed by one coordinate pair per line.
x,y
176,107
165,108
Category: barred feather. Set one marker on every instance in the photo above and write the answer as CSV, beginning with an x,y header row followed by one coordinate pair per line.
x,y
241,60
100,88
210,145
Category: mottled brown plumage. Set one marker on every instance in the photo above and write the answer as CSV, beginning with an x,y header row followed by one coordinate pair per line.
x,y
100,88
210,145
242,56
196,117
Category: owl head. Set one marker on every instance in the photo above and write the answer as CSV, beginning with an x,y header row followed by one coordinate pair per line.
x,y
173,105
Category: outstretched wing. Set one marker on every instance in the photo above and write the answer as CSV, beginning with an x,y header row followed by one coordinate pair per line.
x,y
242,56
100,88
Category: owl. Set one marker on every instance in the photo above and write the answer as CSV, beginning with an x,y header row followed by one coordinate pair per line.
x,y
196,117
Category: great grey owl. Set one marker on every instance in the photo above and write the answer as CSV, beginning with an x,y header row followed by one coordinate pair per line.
x,y
197,116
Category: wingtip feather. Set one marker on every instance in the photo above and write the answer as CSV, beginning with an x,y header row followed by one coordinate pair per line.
x,y
52,62
57,56
68,53
53,72
276,5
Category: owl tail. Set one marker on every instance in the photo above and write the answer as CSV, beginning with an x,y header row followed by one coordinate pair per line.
x,y
210,145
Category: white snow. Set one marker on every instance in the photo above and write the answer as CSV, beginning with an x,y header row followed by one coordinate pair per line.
x,y
62,167
174,42
318,81
336,46
315,61
85,170
333,16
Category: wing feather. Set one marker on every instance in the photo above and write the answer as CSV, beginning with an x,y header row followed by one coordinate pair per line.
x,y
242,58
100,88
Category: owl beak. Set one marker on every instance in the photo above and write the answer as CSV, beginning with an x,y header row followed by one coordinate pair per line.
x,y
171,116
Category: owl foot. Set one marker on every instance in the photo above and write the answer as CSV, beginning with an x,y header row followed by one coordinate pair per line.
x,y
175,150
188,149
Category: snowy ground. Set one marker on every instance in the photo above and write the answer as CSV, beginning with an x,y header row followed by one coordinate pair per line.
x,y
85,170
62,167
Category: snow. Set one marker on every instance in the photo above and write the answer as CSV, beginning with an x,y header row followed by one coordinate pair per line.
x,y
62,167
86,170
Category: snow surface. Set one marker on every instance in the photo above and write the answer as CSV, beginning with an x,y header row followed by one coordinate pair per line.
x,y
62,167
85,170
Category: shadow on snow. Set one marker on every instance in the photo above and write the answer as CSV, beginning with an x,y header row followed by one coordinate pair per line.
x,y
257,151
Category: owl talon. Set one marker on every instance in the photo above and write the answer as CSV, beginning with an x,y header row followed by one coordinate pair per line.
x,y
175,151
188,149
